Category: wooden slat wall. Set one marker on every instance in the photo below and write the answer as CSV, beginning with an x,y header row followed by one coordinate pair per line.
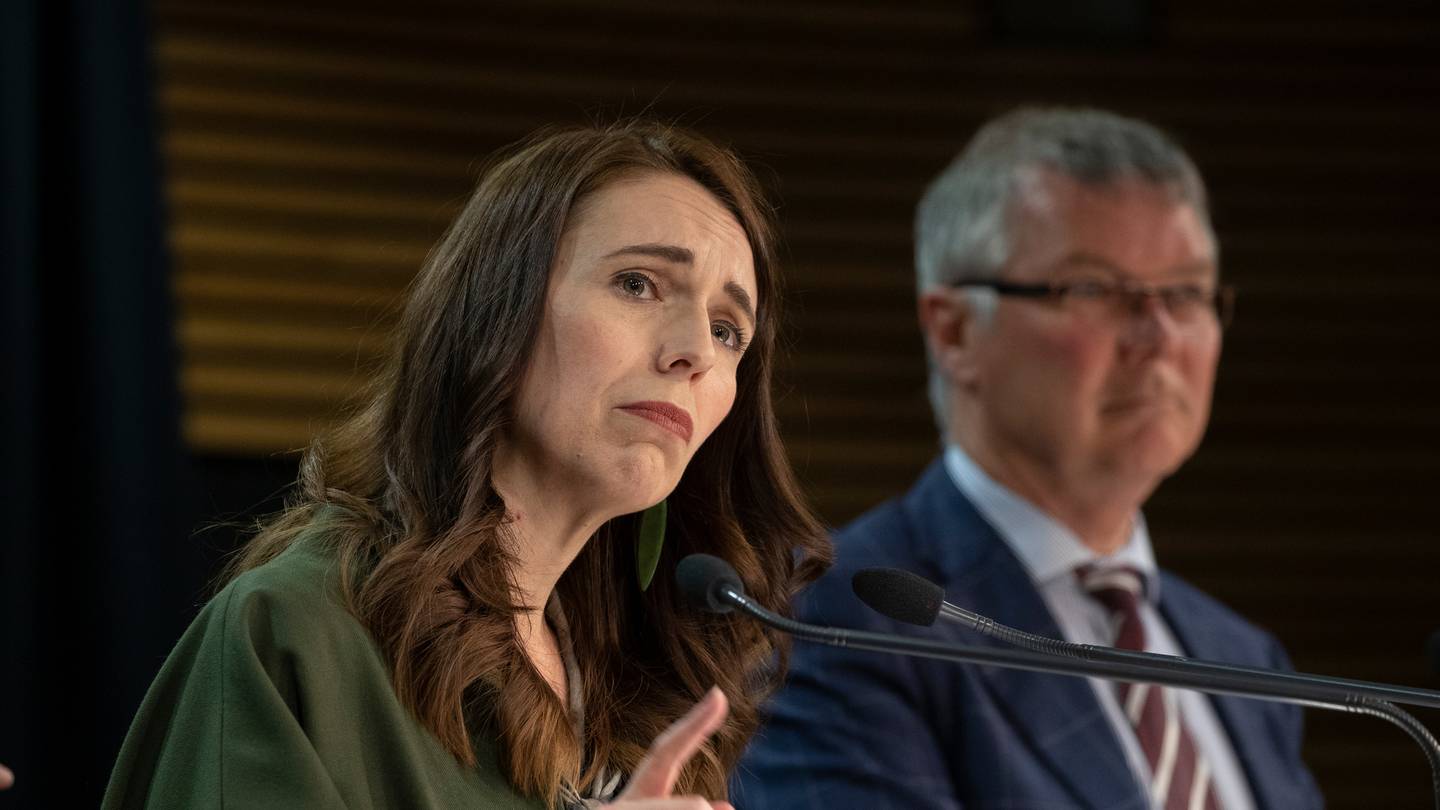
x,y
315,153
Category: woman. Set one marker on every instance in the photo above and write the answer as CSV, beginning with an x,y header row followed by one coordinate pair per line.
x,y
450,613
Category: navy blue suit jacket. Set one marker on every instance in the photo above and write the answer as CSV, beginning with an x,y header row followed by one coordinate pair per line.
x,y
857,729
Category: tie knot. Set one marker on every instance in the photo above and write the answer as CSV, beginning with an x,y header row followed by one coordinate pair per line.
x,y
1117,588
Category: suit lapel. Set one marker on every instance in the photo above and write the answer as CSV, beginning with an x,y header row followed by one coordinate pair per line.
x,y
1243,725
1058,715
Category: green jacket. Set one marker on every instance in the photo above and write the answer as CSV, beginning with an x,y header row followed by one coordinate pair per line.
x,y
277,697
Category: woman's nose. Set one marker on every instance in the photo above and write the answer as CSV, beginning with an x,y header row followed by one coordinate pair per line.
x,y
687,347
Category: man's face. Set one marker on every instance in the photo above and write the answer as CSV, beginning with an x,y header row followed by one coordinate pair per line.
x,y
1095,397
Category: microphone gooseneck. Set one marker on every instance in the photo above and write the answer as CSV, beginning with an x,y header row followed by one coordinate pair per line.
x,y
713,587
893,593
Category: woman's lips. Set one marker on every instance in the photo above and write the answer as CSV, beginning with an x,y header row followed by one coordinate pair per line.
x,y
671,417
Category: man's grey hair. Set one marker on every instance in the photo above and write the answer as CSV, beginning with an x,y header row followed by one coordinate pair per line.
x,y
962,228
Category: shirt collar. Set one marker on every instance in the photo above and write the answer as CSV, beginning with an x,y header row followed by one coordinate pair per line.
x,y
1047,549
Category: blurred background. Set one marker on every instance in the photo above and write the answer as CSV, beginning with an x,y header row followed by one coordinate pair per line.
x,y
211,207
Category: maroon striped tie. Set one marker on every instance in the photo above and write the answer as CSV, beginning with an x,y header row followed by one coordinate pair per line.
x,y
1180,775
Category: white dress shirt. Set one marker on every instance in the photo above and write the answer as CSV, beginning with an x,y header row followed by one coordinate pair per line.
x,y
1050,553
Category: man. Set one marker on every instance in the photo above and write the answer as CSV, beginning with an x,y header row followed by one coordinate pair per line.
x,y
1070,300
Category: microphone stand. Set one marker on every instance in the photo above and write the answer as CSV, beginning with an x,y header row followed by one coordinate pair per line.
x,y
1336,694
1369,706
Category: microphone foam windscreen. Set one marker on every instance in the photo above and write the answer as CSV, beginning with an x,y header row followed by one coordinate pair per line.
x,y
699,574
900,595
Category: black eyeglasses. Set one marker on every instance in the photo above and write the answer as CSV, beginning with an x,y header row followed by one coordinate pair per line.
x,y
1186,303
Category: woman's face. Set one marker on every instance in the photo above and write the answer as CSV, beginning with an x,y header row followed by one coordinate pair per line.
x,y
651,301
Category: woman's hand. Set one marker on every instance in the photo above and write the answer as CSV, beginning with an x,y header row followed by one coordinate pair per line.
x,y
650,786
6,777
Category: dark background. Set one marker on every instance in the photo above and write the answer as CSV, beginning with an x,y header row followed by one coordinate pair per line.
x,y
209,209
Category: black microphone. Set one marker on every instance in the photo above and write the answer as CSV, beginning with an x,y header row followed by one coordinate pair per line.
x,y
905,597
913,599
701,578
899,594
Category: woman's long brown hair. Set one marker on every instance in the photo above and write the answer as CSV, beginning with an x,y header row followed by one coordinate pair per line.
x,y
420,536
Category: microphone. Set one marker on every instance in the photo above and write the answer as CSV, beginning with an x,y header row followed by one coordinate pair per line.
x,y
701,578
913,599
899,594
711,584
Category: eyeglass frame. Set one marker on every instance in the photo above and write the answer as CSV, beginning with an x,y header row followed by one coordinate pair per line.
x,y
1221,300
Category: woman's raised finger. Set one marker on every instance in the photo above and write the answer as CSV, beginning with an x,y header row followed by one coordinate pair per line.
x,y
655,777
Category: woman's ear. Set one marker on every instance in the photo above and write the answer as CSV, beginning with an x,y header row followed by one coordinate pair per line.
x,y
951,323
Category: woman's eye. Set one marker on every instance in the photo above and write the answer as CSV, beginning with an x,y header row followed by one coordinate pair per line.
x,y
636,285
728,334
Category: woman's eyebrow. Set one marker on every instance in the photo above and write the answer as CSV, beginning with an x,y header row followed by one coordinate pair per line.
x,y
742,300
679,255
670,253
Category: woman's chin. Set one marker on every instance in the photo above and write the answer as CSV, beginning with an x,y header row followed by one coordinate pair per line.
x,y
643,472
641,496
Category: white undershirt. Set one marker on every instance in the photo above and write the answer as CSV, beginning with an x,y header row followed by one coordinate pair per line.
x,y
1050,553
